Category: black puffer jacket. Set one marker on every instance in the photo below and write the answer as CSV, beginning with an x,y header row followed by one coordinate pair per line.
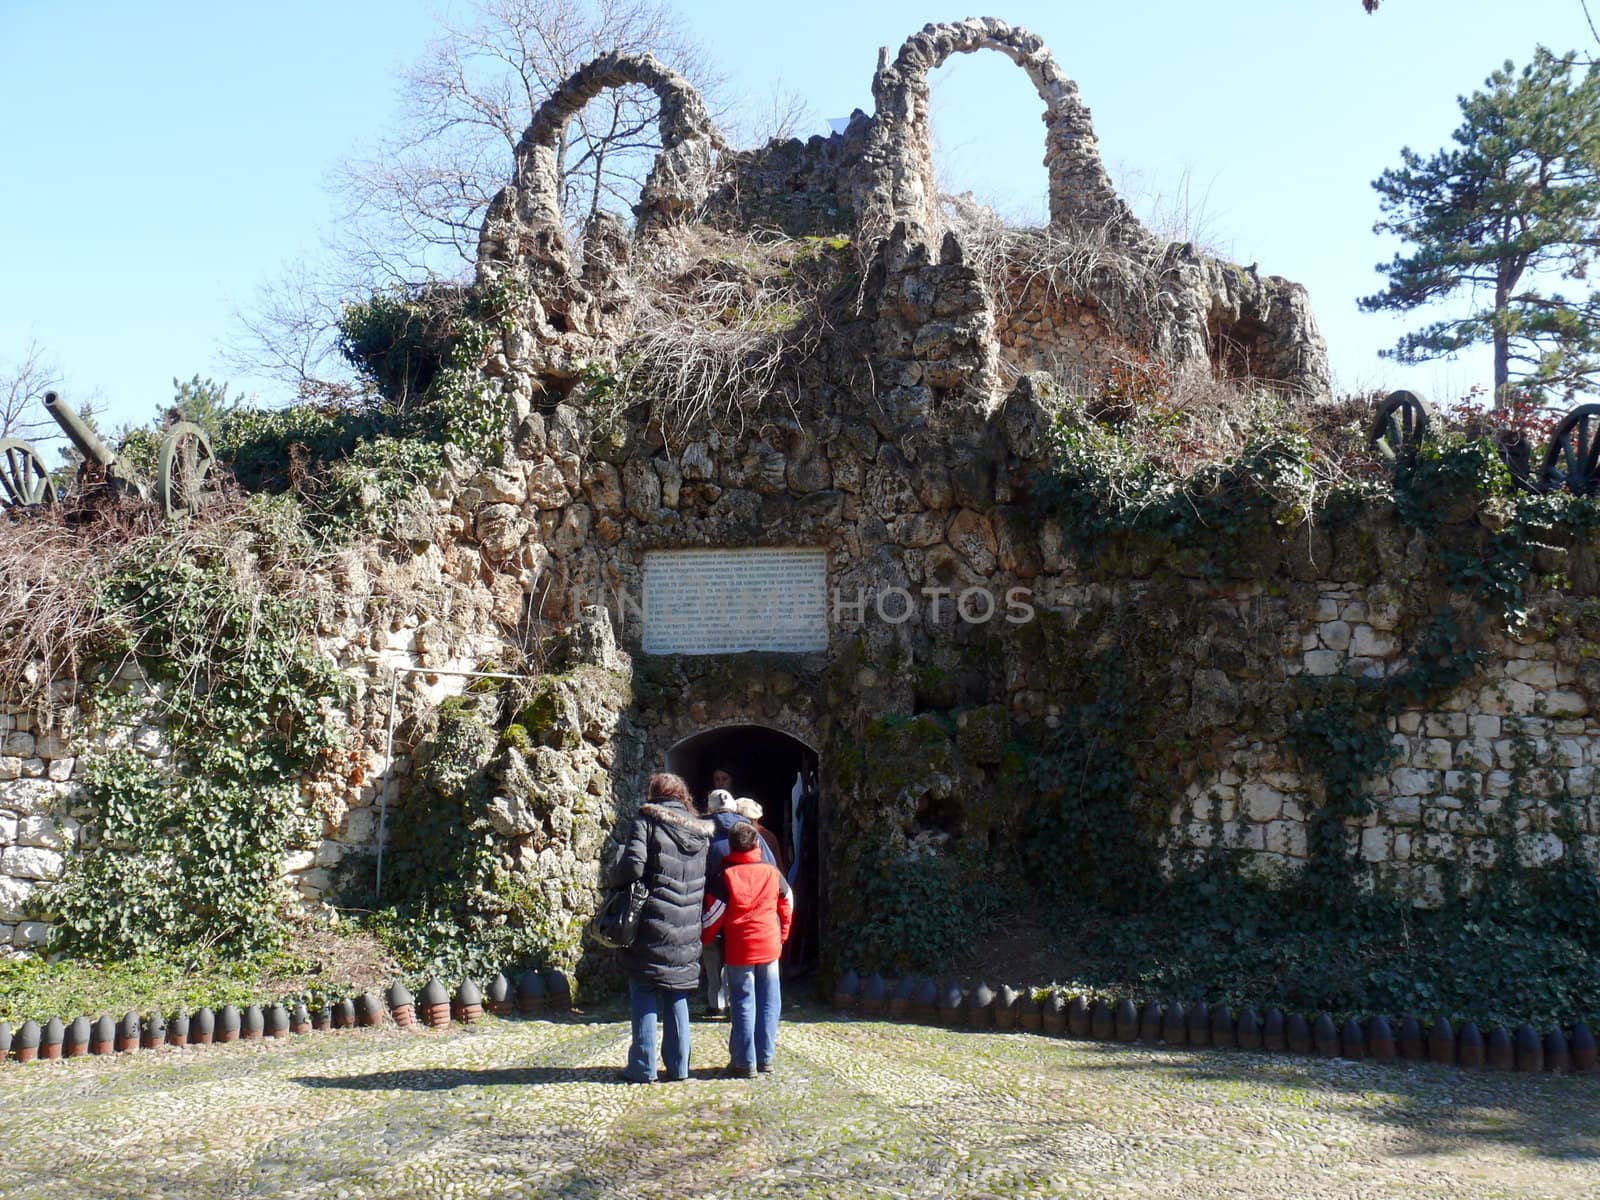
x,y
666,847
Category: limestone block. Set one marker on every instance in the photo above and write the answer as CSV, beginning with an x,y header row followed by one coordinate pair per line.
x,y
329,853
1445,725
1403,810
45,832
1335,635
8,828
500,530
1566,705
1539,849
1323,662
296,861
1261,802
50,745
641,489
360,827
314,883
696,463
1568,752
671,481
1436,753
1371,643
10,768
972,536
17,745
1474,754
1409,722
61,769
31,796
499,487
14,895
30,933
1327,608
603,487
1286,837
809,473
546,486
1402,845
1414,781
1534,673
31,862
35,768
917,531
1483,725
1375,844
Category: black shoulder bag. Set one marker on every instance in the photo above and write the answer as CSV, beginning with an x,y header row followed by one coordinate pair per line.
x,y
617,923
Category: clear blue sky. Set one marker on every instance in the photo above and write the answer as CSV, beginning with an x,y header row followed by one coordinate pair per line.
x,y
160,160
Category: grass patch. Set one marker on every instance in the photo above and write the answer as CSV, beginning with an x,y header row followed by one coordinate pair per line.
x,y
323,964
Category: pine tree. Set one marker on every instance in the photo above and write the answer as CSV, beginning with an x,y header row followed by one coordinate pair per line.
x,y
1513,207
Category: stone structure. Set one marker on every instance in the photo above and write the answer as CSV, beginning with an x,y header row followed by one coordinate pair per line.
x,y
908,451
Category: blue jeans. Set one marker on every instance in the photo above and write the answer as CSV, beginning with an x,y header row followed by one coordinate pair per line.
x,y
755,1002
670,1008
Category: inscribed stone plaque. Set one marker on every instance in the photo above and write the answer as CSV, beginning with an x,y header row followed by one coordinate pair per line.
x,y
728,601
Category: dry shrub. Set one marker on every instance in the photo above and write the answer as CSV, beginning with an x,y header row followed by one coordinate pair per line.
x,y
1051,267
714,339
55,564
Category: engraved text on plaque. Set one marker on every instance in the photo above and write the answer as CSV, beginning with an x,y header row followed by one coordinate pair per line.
x,y
728,601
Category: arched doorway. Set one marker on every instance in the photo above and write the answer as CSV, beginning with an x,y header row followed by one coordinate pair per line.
x,y
779,772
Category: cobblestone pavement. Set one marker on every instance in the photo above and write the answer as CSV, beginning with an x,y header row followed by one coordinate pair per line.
x,y
857,1108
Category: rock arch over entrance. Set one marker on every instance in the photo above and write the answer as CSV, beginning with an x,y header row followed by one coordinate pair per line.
x,y
525,220
780,772
901,184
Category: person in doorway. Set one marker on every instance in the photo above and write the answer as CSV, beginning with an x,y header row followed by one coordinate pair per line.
x,y
721,781
665,846
751,909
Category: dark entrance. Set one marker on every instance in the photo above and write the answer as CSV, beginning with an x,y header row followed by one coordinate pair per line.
x,y
779,772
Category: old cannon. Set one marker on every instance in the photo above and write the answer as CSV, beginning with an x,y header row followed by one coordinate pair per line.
x,y
185,467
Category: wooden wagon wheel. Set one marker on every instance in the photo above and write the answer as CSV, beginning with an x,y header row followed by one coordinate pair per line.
x,y
1399,426
186,461
24,479
1572,459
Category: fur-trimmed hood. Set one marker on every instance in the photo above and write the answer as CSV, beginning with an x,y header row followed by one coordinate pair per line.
x,y
692,833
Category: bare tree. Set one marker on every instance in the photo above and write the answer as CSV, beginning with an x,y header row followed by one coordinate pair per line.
x,y
289,333
23,384
414,206
411,207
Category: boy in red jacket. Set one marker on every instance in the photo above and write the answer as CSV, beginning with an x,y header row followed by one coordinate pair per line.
x,y
751,908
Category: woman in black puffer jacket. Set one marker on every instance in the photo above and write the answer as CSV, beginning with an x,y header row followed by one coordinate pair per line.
x,y
666,847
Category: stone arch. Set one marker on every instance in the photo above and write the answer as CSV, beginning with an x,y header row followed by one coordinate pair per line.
x,y
900,184
525,220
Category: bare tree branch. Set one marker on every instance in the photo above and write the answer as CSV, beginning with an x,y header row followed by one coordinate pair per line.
x,y
22,388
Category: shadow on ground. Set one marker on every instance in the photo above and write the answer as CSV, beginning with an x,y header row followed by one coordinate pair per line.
x,y
1433,1108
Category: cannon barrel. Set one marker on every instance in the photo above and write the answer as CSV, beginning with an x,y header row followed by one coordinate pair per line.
x,y
77,429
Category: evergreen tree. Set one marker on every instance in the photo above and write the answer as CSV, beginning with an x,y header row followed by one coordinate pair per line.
x,y
1513,207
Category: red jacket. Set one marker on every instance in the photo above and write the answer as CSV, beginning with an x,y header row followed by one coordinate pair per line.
x,y
751,907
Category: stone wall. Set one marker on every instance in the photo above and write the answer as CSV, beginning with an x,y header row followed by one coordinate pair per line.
x,y
1505,766
895,447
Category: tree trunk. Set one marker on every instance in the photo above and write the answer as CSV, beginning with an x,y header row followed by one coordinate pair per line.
x,y
1502,347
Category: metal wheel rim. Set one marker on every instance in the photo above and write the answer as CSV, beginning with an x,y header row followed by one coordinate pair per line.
x,y
187,461
24,479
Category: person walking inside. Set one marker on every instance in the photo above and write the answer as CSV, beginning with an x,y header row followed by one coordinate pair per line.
x,y
750,908
665,847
